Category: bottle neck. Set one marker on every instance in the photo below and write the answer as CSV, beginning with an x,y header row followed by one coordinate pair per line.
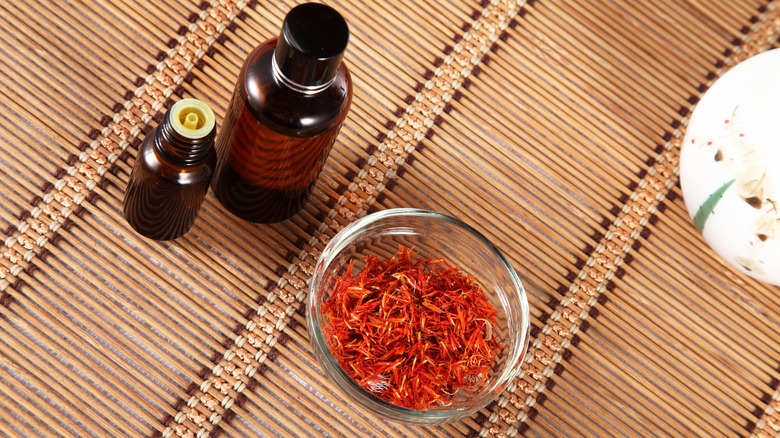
x,y
180,149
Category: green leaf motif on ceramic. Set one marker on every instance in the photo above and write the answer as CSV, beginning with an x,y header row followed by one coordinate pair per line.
x,y
709,205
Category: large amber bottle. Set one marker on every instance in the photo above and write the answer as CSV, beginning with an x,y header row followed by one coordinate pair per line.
x,y
290,100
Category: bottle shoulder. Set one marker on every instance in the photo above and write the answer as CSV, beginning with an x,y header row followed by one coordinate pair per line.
x,y
288,111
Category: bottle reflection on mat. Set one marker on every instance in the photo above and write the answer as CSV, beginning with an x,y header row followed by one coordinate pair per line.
x,y
290,100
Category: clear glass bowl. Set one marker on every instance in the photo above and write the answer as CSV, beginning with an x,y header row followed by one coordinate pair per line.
x,y
431,235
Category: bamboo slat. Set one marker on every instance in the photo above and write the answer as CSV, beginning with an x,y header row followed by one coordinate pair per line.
x,y
552,127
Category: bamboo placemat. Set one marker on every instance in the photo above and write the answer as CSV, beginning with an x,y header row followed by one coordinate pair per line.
x,y
553,127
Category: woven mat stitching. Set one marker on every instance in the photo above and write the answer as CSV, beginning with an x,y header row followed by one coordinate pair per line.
x,y
51,211
85,172
395,150
551,344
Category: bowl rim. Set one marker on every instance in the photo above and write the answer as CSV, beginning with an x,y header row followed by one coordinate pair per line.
x,y
371,402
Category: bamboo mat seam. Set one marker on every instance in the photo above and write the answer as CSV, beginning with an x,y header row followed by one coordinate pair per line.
x,y
394,151
88,171
551,343
427,108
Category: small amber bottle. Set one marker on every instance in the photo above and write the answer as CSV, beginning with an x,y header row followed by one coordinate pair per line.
x,y
291,98
172,172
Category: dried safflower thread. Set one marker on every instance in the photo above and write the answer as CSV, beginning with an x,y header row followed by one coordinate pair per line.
x,y
414,331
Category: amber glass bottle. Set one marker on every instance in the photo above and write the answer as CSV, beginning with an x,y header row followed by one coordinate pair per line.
x,y
172,172
291,98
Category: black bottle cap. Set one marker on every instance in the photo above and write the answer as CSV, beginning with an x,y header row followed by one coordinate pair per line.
x,y
311,45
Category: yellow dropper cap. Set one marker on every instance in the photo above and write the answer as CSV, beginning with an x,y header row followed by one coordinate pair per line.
x,y
192,118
